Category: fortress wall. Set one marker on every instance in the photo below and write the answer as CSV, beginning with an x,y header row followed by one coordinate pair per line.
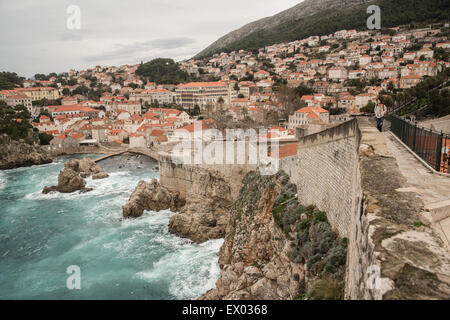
x,y
345,172
327,173
290,166
180,177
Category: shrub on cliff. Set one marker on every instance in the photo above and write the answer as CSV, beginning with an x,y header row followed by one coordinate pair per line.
x,y
286,209
317,245
312,240
326,289
253,185
314,243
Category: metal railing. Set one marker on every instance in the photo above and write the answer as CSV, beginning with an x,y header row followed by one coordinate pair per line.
x,y
433,147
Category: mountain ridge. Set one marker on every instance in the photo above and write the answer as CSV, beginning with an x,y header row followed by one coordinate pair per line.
x,y
316,17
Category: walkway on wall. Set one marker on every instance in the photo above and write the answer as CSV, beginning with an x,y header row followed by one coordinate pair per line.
x,y
433,188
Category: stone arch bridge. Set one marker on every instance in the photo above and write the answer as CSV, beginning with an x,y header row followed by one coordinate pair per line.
x,y
146,152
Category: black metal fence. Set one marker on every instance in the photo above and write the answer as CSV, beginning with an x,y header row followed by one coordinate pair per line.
x,y
433,147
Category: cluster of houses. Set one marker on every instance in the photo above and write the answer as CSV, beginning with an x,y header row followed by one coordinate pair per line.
x,y
88,125
239,85
332,65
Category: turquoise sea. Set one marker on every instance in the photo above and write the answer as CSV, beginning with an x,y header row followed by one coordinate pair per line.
x,y
42,235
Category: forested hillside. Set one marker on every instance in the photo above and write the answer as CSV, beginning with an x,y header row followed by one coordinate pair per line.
x,y
327,16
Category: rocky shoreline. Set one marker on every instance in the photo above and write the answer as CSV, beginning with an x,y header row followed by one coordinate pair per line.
x,y
16,154
274,248
71,178
202,214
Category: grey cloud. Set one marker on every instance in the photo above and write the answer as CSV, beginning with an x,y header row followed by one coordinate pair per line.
x,y
171,43
114,32
138,48
74,35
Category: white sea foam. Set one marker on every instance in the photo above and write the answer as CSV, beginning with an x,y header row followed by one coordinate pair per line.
x,y
150,218
3,180
117,183
192,269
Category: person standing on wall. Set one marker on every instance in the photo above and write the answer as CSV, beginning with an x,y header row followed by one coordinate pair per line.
x,y
380,113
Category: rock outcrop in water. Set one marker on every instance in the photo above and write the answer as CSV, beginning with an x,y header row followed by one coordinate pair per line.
x,y
85,168
68,181
71,178
15,154
203,212
276,249
151,196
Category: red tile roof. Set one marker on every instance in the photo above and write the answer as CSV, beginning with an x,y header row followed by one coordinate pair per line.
x,y
287,150
202,84
157,133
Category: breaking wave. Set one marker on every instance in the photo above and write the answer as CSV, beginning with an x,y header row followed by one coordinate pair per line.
x,y
41,235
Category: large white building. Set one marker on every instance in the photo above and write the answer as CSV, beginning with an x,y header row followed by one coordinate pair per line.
x,y
133,107
14,98
161,95
337,73
202,93
304,116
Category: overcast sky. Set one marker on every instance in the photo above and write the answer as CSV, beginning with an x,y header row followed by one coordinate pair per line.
x,y
34,37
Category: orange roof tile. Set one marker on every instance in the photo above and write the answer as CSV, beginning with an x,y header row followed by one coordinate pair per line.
x,y
287,150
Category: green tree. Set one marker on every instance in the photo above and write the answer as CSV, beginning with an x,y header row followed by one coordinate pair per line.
x,y
44,112
40,76
83,90
44,138
162,71
391,86
9,80
302,90
196,111
14,121
369,108
100,108
441,54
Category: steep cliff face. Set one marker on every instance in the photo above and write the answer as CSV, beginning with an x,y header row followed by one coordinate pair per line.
x,y
206,213
15,154
276,249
